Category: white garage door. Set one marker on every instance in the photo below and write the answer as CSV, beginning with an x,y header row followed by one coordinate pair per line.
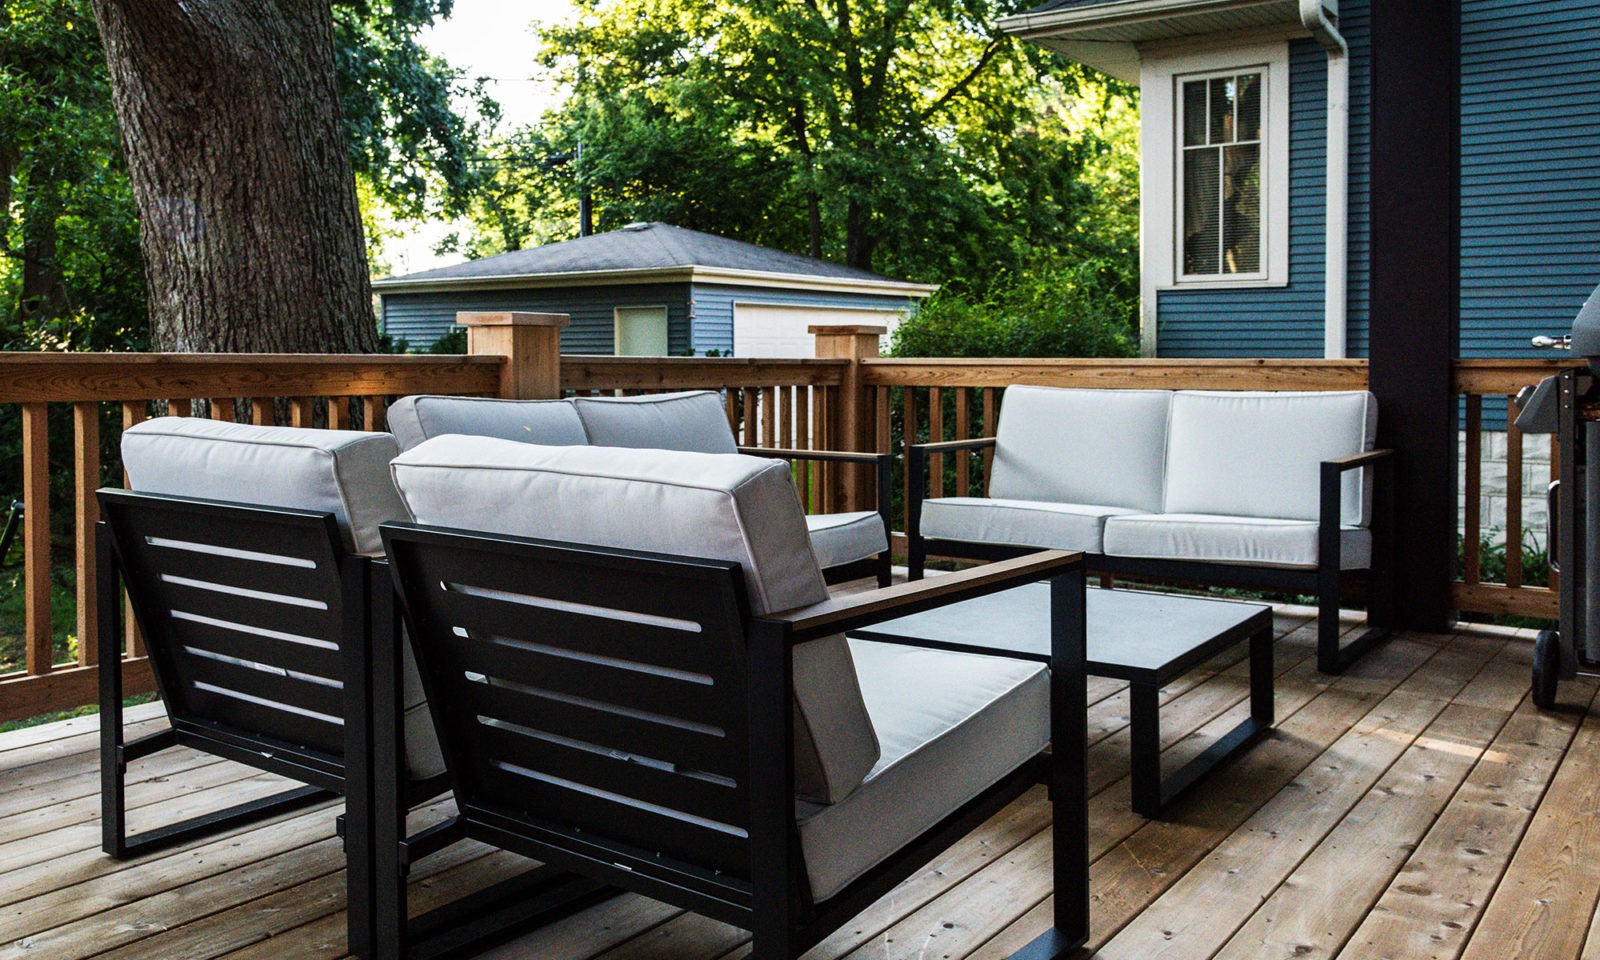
x,y
770,330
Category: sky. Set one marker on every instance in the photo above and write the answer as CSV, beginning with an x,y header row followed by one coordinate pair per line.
x,y
495,39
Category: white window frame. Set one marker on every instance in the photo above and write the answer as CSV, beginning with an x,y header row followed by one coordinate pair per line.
x,y
616,325
1161,165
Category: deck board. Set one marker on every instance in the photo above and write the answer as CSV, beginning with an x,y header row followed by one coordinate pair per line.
x,y
1417,807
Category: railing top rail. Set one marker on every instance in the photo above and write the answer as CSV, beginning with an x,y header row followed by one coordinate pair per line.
x,y
86,377
1488,376
687,373
1242,374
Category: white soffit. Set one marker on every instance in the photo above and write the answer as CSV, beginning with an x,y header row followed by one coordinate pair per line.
x,y
1107,36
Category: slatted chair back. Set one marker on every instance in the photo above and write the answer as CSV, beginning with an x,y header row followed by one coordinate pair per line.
x,y
241,609
591,701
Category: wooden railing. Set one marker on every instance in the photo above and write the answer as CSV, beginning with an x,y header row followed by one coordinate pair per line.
x,y
1488,391
850,400
102,391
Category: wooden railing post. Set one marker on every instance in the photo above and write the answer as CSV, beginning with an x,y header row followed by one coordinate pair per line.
x,y
531,344
855,423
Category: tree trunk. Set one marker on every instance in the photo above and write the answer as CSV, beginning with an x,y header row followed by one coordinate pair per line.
x,y
231,121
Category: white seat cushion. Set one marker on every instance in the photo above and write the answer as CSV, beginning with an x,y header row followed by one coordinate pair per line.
x,y
951,725
1081,446
713,506
1260,454
840,538
694,421
1018,523
342,472
1256,541
419,418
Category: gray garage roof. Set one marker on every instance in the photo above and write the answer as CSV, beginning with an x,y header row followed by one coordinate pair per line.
x,y
641,252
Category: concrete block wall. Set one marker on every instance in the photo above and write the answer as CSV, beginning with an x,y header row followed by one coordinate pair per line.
x,y
1492,496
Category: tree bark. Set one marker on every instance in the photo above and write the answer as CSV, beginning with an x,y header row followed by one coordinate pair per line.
x,y
231,120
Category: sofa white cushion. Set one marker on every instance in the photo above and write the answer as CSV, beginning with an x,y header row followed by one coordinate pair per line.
x,y
1104,447
840,538
951,725
342,472
552,422
693,421
1260,454
742,509
1256,541
1018,523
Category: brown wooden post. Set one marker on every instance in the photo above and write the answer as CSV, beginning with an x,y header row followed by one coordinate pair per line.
x,y
856,425
531,344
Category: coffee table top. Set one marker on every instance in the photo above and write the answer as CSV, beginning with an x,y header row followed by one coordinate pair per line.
x,y
1133,634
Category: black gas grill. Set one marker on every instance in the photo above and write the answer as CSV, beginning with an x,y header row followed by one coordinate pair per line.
x,y
1568,405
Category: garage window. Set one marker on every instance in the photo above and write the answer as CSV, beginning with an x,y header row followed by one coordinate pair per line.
x,y
641,332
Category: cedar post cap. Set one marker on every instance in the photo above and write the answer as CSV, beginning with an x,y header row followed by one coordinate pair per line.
x,y
850,330
475,319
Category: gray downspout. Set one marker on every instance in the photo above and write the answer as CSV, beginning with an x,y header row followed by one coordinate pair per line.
x,y
1321,18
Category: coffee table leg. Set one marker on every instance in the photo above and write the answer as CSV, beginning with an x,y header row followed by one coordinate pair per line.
x,y
1144,729
1263,708
1151,793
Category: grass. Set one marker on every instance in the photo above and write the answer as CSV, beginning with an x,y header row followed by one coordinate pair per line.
x,y
13,617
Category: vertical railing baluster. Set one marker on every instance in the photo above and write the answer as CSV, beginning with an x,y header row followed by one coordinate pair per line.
x,y
180,408
1513,496
963,432
338,413
85,514
223,409
769,417
908,434
990,396
36,535
302,411
261,411
1472,498
133,412
936,435
374,413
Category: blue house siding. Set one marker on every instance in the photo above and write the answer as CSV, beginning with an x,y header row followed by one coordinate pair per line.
x,y
422,318
1530,169
1287,321
713,308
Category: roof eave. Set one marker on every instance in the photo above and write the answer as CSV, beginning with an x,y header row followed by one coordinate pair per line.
x,y
885,287
1115,12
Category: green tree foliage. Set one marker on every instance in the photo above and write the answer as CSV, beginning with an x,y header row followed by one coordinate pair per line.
x,y
906,136
1082,309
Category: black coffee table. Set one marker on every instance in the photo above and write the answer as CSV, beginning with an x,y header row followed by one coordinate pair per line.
x,y
1147,639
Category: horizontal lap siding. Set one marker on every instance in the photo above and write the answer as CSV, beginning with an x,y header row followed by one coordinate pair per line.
x,y
422,318
1288,321
1530,169
713,308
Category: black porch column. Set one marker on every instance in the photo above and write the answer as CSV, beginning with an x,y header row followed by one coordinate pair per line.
x,y
1415,151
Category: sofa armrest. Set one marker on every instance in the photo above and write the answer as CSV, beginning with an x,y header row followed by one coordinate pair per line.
x,y
946,446
1330,524
1356,460
879,460
903,599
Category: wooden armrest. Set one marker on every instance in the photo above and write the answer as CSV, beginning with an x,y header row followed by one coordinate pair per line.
x,y
1355,460
836,456
946,446
903,599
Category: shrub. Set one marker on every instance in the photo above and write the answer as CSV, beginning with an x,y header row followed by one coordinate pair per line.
x,y
1055,310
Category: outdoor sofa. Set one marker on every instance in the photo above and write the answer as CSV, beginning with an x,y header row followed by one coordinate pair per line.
x,y
849,545
637,674
253,567
1276,491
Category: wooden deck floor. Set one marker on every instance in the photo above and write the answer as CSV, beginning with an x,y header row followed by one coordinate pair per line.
x,y
1418,807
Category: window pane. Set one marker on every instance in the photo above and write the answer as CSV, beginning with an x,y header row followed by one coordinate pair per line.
x,y
1249,107
1222,110
1201,231
1194,113
1241,220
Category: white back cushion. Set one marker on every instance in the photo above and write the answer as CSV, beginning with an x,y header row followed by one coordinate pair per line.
x,y
719,507
1260,454
1099,447
693,421
342,472
551,422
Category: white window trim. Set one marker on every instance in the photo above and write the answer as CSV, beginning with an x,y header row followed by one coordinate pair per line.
x,y
1160,147
616,324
